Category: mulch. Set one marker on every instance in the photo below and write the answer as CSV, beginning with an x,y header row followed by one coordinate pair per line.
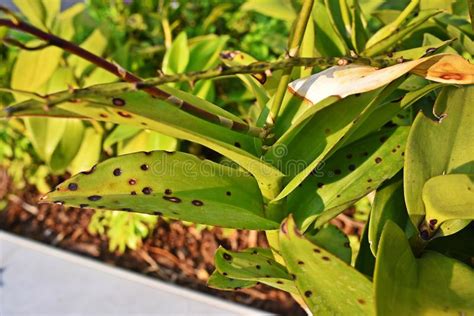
x,y
173,252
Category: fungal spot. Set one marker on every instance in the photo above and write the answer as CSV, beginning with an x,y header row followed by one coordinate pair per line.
x,y
133,193
258,267
103,115
390,54
424,235
394,150
72,186
168,192
117,172
361,301
118,102
326,258
300,262
83,205
228,193
308,293
144,123
197,203
132,181
347,244
452,76
237,144
351,167
316,250
369,180
89,171
147,190
338,195
398,146
144,167
224,273
433,222
158,213
227,256
279,282
403,153
124,114
94,197
378,160
284,227
349,156
172,199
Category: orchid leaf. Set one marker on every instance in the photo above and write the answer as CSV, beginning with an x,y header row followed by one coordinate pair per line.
x,y
175,185
431,284
326,283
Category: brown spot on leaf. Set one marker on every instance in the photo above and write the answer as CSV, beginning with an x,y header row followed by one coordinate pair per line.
x,y
197,203
172,199
147,190
72,186
94,198
308,293
118,102
124,114
378,160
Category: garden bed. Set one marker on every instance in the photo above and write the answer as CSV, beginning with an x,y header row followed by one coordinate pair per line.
x,y
173,252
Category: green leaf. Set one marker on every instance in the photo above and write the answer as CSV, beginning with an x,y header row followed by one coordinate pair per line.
x,y
221,282
176,185
389,42
358,34
65,21
45,135
431,284
96,44
254,264
328,42
340,20
177,56
391,28
448,197
351,173
204,53
389,204
148,140
34,11
436,148
89,152
68,146
120,133
278,9
327,284
365,260
33,69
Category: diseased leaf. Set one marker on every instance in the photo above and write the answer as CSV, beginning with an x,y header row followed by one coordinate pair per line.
x,y
221,282
327,284
347,176
431,284
334,241
175,185
254,264
343,81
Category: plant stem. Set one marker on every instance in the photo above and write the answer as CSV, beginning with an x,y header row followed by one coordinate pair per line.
x,y
115,69
262,67
293,50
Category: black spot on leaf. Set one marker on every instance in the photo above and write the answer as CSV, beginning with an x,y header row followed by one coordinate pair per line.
x,y
94,198
316,250
118,102
308,293
158,213
227,256
133,193
168,192
132,181
326,258
83,205
378,160
117,172
258,267
144,167
228,193
72,186
300,262
237,144
197,203
172,199
351,167
124,114
147,190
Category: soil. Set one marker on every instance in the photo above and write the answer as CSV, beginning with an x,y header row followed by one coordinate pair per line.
x,y
173,252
